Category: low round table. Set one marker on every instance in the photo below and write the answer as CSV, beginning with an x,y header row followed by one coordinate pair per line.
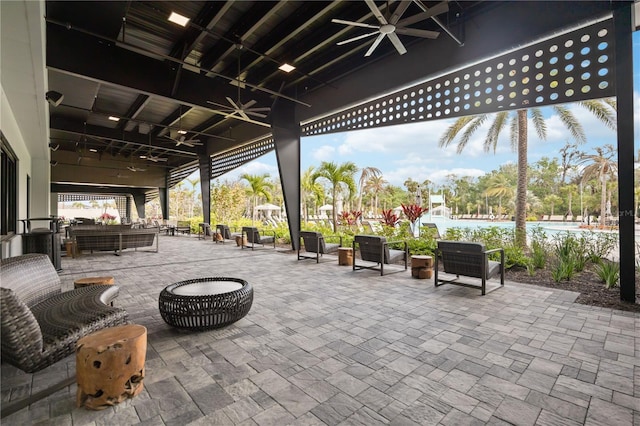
x,y
205,303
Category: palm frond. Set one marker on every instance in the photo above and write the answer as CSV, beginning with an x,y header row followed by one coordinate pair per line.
x,y
453,130
471,129
539,123
603,110
491,141
571,123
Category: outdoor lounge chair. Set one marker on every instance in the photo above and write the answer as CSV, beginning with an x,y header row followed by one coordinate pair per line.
x,y
253,237
376,249
471,260
314,242
226,233
436,232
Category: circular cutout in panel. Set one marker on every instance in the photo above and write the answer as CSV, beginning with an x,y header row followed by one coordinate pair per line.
x,y
585,89
447,83
539,99
568,80
512,62
569,68
603,58
487,70
539,76
585,63
568,43
512,95
603,71
500,76
500,98
525,58
553,96
525,68
585,50
539,53
603,85
525,92
499,66
539,88
568,56
553,60
539,65
525,80
553,84
438,86
603,45
585,76
603,32
553,48
585,38
569,93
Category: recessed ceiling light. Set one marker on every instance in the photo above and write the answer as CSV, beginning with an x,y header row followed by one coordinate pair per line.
x,y
178,19
143,156
182,132
286,67
93,150
113,118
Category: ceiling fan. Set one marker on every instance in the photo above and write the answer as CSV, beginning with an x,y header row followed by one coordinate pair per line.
x,y
180,137
155,158
237,108
135,169
391,27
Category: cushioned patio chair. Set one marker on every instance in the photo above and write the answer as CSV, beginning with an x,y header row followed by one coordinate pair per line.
x,y
253,237
314,242
226,233
376,249
471,260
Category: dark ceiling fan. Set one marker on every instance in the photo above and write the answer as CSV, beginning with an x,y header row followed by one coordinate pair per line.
x,y
180,138
237,109
392,26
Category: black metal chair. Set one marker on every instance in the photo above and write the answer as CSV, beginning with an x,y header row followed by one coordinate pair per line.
x,y
471,260
314,242
253,237
376,249
225,232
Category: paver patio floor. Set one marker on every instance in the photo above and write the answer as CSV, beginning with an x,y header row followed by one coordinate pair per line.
x,y
325,345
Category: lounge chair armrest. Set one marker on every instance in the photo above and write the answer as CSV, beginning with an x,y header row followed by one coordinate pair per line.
x,y
494,250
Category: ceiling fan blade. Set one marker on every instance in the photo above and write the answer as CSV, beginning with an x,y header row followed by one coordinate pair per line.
x,y
397,14
258,109
235,106
439,8
256,114
249,104
340,43
226,107
354,24
376,12
397,43
374,45
417,33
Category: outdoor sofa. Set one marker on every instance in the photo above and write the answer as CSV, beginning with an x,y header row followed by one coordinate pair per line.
x,y
113,238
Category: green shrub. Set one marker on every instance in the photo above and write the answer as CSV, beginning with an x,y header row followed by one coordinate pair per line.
x,y
564,270
609,273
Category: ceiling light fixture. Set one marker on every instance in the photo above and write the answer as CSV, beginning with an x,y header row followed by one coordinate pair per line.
x,y
286,67
93,150
114,118
176,18
143,156
182,132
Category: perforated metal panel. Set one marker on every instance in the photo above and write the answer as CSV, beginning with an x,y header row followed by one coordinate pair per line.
x,y
571,67
227,161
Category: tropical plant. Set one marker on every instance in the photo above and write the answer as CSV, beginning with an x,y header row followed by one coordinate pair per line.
x,y
338,176
366,174
310,190
375,185
389,218
608,272
604,110
259,186
499,186
600,165
413,212
350,218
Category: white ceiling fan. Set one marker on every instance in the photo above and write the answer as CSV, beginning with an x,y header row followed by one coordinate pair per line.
x,y
156,158
133,168
180,138
392,26
237,108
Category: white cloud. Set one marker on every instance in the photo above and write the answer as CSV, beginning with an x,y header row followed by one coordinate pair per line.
x,y
323,153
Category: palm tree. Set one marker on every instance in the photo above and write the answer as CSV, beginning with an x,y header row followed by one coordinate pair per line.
x,y
499,186
309,188
603,109
259,186
338,176
600,165
375,185
366,174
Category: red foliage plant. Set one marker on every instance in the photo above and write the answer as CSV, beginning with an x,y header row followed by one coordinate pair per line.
x,y
413,212
389,218
350,218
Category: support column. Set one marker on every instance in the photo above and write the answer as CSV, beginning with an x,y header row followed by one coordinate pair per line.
x,y
286,136
204,163
623,26
139,200
164,198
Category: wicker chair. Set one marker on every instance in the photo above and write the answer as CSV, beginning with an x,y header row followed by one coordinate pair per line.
x,y
253,237
376,249
40,323
471,260
314,242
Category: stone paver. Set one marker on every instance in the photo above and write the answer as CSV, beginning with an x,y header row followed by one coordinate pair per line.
x,y
323,345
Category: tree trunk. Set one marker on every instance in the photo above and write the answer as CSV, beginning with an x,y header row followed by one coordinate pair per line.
x,y
603,199
521,191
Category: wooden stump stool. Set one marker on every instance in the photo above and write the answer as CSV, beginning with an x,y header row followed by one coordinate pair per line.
x,y
110,366
241,241
421,266
87,281
345,256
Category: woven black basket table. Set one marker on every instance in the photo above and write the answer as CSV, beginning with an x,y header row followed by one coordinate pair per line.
x,y
205,303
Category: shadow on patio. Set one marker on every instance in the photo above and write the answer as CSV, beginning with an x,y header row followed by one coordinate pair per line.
x,y
325,345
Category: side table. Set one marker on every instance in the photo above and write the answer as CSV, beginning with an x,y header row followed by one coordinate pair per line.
x,y
421,266
345,256
87,281
110,366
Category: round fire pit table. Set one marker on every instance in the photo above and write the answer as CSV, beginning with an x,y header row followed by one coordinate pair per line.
x,y
205,303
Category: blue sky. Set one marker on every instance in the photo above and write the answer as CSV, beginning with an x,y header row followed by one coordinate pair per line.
x,y
411,150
